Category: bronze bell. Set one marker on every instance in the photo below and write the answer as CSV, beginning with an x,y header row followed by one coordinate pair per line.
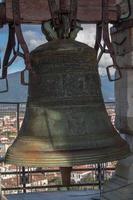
x,y
66,122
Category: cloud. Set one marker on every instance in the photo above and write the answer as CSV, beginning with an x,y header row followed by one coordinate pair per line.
x,y
87,35
33,39
32,35
2,49
105,62
4,29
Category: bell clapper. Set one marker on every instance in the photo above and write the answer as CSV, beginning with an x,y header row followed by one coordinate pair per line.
x,y
66,176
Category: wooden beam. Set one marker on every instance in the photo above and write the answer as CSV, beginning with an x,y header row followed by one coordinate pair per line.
x,y
31,11
89,11
2,14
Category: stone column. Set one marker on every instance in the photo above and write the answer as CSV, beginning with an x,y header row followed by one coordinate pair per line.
x,y
120,187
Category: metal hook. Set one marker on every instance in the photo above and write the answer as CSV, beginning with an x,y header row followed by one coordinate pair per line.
x,y
23,82
7,86
109,75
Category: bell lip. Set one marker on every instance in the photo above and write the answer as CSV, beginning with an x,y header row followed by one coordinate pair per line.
x,y
71,160
33,153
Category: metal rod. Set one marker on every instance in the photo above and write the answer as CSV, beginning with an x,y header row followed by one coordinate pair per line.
x,y
23,168
17,116
100,178
53,171
49,186
0,186
24,179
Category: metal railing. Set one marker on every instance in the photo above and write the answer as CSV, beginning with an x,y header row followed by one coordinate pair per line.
x,y
15,179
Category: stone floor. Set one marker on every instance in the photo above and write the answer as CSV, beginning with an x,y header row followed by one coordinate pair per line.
x,y
69,195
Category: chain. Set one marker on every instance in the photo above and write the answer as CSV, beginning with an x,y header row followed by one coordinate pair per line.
x,y
102,33
13,48
19,34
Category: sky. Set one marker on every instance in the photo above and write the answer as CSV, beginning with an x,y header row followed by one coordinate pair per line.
x,y
34,38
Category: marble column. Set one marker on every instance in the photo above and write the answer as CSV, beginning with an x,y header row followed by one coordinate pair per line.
x,y
120,187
